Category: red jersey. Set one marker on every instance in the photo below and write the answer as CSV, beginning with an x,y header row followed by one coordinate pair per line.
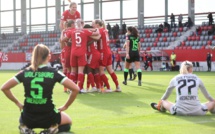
x,y
68,16
1,55
104,41
118,57
145,56
92,48
69,43
79,40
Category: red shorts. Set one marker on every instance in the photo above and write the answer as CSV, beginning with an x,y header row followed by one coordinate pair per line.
x,y
93,60
78,60
67,54
106,60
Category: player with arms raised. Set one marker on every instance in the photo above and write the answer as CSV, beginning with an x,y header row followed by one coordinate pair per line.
x,y
187,101
71,14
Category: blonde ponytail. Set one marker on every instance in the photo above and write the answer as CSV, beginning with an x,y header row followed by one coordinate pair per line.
x,y
185,66
39,55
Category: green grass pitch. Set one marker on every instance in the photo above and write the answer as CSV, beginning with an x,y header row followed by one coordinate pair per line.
x,y
128,112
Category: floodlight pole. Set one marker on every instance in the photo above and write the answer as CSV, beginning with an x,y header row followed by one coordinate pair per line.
x,y
96,9
191,10
166,10
23,16
140,12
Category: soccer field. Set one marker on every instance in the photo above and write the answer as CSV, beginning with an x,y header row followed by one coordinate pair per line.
x,y
128,112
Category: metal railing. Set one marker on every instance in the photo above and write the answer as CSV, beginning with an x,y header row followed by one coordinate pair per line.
x,y
151,20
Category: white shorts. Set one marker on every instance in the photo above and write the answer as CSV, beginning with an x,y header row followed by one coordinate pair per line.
x,y
202,110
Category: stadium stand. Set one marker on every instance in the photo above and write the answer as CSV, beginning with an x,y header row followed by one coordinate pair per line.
x,y
9,39
150,40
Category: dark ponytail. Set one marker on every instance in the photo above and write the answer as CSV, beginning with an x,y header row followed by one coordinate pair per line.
x,y
133,31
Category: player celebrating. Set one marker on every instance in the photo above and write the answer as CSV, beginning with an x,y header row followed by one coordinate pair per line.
x,y
38,110
71,14
93,58
132,54
67,49
79,48
106,56
187,102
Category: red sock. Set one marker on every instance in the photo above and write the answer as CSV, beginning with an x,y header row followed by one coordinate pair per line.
x,y
91,79
68,75
80,81
72,76
114,78
105,80
97,81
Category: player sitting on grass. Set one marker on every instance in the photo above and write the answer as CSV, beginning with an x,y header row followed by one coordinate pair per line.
x,y
187,101
38,80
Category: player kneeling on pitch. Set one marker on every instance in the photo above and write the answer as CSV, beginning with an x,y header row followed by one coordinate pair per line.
x,y
187,101
38,110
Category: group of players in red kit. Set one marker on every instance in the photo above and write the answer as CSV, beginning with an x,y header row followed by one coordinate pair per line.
x,y
85,50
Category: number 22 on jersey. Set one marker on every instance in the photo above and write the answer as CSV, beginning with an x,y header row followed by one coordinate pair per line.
x,y
184,84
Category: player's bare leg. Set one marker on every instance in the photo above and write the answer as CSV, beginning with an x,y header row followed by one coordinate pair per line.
x,y
162,105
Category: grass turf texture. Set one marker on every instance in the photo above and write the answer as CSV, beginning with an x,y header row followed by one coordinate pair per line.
x,y
128,112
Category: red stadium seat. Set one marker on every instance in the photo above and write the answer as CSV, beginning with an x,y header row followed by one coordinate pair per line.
x,y
182,43
214,37
193,38
159,34
209,42
209,27
164,39
202,47
175,34
205,28
154,44
150,30
165,29
181,29
141,39
189,38
147,35
184,47
189,47
198,38
146,30
157,39
148,48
